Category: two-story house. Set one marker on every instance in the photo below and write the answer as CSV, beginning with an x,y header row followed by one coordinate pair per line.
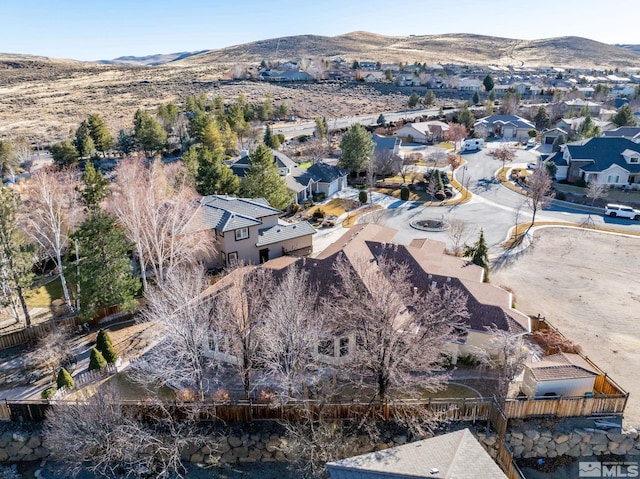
x,y
248,231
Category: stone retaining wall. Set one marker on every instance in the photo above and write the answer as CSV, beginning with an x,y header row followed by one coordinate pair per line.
x,y
269,445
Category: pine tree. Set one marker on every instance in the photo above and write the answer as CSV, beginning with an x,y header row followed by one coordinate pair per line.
x,y
99,133
95,187
102,340
488,83
357,148
109,353
96,360
64,380
149,134
105,272
479,254
263,179
268,137
213,176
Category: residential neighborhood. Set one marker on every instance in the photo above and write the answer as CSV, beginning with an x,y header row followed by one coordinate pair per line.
x,y
230,282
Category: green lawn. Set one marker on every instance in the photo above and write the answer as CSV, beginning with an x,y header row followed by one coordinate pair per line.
x,y
305,165
41,297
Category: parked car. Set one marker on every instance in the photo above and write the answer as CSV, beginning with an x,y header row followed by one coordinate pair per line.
x,y
621,211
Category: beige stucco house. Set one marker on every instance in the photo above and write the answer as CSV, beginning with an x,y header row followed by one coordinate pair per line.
x,y
248,231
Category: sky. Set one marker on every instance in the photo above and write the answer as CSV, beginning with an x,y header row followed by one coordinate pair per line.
x,y
99,29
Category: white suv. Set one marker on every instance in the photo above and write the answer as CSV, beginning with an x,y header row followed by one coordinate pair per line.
x,y
622,211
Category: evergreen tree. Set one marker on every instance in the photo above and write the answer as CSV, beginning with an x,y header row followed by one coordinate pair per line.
x,y
96,360
102,340
149,134
105,274
283,111
126,143
381,121
492,95
624,117
99,133
413,100
479,254
83,141
541,118
168,114
429,98
588,128
95,187
321,127
357,148
64,380
268,137
488,83
9,163
15,257
64,154
213,176
476,98
465,117
265,110
558,142
263,179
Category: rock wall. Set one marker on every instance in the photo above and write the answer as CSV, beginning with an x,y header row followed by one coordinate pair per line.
x,y
545,442
269,445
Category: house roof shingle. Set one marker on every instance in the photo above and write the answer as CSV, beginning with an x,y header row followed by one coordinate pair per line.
x,y
278,233
603,152
512,120
457,455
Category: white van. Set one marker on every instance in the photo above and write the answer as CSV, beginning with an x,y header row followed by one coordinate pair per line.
x,y
472,144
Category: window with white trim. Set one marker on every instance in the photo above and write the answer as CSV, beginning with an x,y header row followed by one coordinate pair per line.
x,y
242,233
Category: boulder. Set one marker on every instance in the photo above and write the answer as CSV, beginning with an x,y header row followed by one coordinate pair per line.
x,y
234,441
560,438
562,448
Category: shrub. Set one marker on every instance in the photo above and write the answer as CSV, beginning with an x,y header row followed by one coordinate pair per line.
x,y
440,195
319,196
404,193
47,393
468,360
317,214
102,340
580,183
97,360
109,354
294,208
65,380
363,196
561,195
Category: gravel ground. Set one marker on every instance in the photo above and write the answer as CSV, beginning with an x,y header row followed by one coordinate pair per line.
x,y
585,284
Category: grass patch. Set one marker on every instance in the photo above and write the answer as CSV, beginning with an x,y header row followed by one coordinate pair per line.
x,y
395,192
43,296
336,206
305,165
451,391
446,144
351,219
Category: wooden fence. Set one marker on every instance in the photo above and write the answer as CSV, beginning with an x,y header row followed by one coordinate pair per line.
x,y
87,377
504,458
32,334
566,406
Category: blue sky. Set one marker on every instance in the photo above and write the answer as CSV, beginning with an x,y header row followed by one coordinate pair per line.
x,y
99,29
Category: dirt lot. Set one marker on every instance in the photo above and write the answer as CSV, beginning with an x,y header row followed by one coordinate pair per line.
x,y
586,284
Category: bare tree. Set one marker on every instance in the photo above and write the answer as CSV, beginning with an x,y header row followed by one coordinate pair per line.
x,y
454,161
595,191
290,333
456,133
180,359
154,211
50,211
503,154
399,331
457,232
239,303
506,354
540,193
52,350
119,441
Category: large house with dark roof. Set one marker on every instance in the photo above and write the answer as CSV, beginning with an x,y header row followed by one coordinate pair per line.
x,y
303,183
614,161
489,307
508,127
248,231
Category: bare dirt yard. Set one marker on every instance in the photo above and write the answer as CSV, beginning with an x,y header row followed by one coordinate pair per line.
x,y
586,284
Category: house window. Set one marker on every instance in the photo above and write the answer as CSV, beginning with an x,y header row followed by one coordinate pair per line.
x,y
325,347
232,258
242,233
344,347
633,160
613,179
223,258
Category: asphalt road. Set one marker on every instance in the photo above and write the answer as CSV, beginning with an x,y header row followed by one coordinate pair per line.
x,y
494,208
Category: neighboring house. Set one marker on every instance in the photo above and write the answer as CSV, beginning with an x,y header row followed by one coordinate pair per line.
x,y
248,231
302,183
561,164
374,77
550,135
424,131
470,85
387,155
509,127
456,455
572,124
284,76
429,267
578,105
612,161
630,132
562,374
